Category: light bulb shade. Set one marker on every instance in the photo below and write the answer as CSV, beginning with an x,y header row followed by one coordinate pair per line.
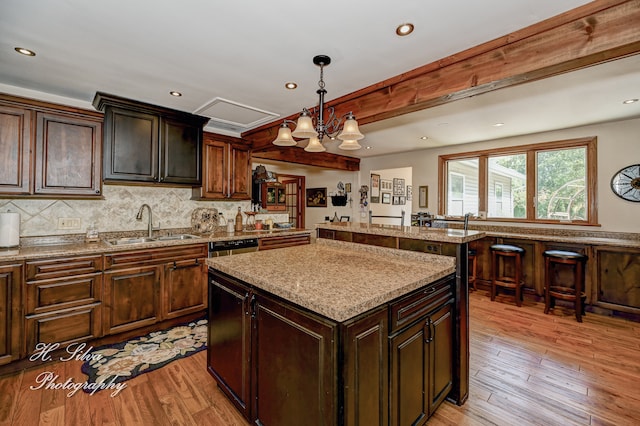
x,y
304,128
284,137
349,145
315,145
350,131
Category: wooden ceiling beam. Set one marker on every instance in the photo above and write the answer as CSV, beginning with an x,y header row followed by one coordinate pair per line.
x,y
300,156
600,31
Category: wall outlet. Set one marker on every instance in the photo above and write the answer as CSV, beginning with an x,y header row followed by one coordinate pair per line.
x,y
69,223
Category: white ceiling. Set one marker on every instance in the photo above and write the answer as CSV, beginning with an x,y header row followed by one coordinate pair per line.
x,y
230,59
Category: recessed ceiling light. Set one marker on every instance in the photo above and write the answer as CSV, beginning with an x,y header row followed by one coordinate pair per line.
x,y
404,29
24,51
367,147
630,101
498,125
174,93
290,85
424,138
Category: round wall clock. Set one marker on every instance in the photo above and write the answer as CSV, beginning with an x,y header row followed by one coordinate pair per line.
x,y
626,183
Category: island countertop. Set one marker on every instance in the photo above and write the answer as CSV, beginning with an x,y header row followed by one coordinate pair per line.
x,y
336,279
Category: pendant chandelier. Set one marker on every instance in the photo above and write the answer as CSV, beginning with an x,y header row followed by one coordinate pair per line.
x,y
305,127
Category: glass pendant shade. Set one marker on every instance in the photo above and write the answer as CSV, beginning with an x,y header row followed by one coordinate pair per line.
x,y
314,145
350,145
284,137
304,128
350,131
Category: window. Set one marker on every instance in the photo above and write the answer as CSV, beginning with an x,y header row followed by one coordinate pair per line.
x,y
544,182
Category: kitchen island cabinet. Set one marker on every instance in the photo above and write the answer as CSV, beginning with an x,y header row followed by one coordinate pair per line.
x,y
313,343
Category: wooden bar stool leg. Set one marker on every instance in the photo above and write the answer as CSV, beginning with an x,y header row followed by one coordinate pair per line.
x,y
547,283
579,306
494,271
518,267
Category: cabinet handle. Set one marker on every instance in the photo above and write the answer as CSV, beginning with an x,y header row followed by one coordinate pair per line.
x,y
175,265
244,302
427,331
253,305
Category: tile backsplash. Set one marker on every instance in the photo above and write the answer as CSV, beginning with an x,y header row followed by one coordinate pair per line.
x,y
117,210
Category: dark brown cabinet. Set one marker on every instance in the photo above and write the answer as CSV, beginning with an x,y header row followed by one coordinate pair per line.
x,y
63,300
269,243
11,315
15,145
148,143
280,364
143,287
226,169
617,278
51,150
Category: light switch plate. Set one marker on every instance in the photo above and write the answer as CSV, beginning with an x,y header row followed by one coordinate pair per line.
x,y
69,223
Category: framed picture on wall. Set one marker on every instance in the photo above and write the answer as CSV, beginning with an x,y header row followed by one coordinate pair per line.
x,y
398,186
316,197
423,197
347,187
409,192
386,185
396,200
386,198
375,188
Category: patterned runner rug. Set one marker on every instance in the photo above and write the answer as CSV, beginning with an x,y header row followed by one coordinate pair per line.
x,y
123,361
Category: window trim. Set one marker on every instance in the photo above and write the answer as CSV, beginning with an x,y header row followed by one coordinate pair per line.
x,y
590,143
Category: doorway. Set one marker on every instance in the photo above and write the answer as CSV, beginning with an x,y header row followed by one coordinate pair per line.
x,y
294,201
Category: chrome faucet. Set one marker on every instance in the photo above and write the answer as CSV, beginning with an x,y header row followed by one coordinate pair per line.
x,y
139,217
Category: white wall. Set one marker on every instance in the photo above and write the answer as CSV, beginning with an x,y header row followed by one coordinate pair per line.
x,y
618,146
380,209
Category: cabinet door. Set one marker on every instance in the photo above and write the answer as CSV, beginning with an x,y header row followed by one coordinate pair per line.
x,y
10,312
215,183
130,145
440,355
618,275
295,361
531,273
68,155
239,172
15,146
131,298
229,344
409,375
185,288
181,153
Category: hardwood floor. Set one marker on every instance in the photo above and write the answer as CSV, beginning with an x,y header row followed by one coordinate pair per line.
x,y
527,368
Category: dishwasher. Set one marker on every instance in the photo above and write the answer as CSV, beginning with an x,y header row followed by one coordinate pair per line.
x,y
227,248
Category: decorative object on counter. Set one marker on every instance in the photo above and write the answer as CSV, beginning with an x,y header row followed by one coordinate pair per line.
x,y
283,225
92,235
375,188
269,224
364,195
204,220
316,197
221,220
238,224
251,220
345,218
261,175
126,360
9,229
305,128
258,225
423,197
230,226
626,183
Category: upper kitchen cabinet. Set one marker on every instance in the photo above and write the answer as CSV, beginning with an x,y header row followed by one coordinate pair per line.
x,y
227,169
49,150
148,143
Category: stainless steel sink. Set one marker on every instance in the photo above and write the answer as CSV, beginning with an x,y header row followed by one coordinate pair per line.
x,y
176,237
137,240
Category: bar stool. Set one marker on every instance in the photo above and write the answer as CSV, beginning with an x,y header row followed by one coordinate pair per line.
x,y
473,270
498,278
554,290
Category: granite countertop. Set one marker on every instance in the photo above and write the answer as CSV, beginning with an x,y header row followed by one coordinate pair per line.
x,y
572,239
443,235
336,279
54,246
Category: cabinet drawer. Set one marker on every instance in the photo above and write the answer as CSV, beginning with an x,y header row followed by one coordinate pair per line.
x,y
64,327
62,293
284,241
62,267
136,258
419,303
374,240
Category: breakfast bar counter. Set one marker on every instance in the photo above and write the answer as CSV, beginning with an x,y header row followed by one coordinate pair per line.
x,y
335,333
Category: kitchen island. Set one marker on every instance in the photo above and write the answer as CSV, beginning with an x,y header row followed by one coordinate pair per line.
x,y
334,333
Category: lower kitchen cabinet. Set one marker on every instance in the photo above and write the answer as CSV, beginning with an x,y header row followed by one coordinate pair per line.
x,y
63,300
143,287
269,243
283,365
11,315
131,298
617,278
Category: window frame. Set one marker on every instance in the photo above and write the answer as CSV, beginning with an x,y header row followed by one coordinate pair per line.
x,y
589,143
